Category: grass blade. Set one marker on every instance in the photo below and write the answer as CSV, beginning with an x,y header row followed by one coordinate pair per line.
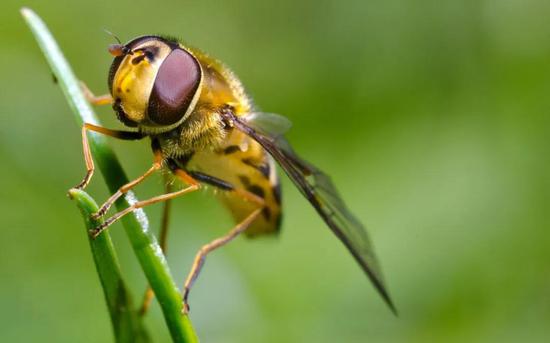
x,y
127,324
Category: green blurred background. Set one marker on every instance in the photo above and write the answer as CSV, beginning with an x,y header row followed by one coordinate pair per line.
x,y
431,116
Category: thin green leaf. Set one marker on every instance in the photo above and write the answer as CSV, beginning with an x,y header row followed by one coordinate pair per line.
x,y
127,324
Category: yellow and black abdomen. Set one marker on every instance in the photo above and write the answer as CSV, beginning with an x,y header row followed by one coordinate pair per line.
x,y
245,165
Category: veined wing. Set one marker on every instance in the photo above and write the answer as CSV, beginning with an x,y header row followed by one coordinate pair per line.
x,y
268,129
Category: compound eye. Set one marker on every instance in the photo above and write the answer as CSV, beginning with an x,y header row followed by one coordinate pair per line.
x,y
175,85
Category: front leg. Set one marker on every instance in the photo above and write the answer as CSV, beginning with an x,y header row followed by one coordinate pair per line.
x,y
125,135
105,99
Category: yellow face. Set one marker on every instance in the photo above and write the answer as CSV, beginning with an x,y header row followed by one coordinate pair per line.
x,y
154,83
134,79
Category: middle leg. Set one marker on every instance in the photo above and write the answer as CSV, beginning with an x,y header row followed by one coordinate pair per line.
x,y
157,164
193,186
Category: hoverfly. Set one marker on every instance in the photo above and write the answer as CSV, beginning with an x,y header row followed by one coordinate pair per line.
x,y
205,130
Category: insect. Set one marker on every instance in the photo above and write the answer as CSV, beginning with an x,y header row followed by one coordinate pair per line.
x,y
205,130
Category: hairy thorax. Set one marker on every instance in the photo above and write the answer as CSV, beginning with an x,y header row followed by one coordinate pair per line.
x,y
204,129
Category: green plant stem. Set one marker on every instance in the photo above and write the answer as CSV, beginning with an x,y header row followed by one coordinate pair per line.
x,y
127,324
144,243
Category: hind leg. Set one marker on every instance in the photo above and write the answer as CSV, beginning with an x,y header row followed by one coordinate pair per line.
x,y
203,252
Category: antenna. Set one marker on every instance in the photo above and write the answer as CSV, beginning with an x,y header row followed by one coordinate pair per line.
x,y
117,49
112,35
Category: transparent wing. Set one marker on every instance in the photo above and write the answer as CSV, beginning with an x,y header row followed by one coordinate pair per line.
x,y
273,123
317,188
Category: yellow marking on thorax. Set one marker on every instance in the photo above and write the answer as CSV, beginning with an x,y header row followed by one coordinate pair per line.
x,y
221,86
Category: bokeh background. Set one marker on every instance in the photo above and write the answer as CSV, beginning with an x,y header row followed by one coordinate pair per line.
x,y
431,116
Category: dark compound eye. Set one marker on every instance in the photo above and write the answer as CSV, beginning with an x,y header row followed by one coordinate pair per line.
x,y
175,85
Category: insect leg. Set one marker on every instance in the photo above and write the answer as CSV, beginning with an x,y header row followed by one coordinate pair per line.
x,y
148,296
157,164
105,99
193,186
226,186
165,220
200,257
125,135
207,248
160,198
